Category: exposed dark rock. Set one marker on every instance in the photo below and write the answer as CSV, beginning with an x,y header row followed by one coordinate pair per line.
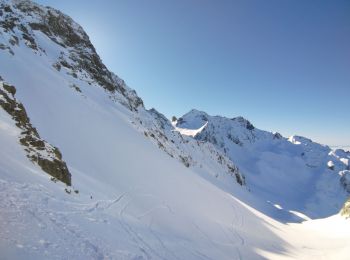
x,y
180,121
7,9
48,157
345,211
9,88
4,47
345,180
234,139
204,118
160,119
14,40
30,41
75,87
56,168
240,179
277,136
80,56
57,66
185,160
244,122
9,23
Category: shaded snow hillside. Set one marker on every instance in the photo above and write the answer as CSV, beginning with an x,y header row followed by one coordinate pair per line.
x,y
87,172
294,174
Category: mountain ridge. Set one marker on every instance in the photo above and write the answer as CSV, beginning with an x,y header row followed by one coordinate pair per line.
x,y
218,141
256,151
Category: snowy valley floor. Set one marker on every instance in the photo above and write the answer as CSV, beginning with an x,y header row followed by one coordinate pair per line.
x,y
40,221
37,224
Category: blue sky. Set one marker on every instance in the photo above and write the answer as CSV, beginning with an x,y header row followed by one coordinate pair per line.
x,y
282,64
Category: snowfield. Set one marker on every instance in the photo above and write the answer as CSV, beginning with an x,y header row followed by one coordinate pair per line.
x,y
140,189
296,174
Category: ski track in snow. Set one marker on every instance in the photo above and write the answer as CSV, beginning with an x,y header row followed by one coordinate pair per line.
x,y
30,212
19,204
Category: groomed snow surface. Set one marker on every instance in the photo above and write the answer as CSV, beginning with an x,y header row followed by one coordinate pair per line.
x,y
133,200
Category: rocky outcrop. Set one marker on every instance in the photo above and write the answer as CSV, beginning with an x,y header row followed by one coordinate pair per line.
x,y
20,20
345,180
188,151
345,211
23,23
220,131
244,122
40,152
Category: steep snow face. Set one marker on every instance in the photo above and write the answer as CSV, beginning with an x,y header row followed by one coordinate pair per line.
x,y
62,43
200,156
62,46
36,38
295,174
119,178
133,201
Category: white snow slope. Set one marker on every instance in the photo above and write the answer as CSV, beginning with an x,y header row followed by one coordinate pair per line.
x,y
293,175
143,190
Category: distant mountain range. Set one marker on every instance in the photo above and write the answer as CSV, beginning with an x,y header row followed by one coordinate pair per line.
x,y
344,147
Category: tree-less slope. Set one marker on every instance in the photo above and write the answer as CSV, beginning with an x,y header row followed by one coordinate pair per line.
x,y
139,190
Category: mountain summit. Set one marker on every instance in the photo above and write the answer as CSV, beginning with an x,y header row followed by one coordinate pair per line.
x,y
295,172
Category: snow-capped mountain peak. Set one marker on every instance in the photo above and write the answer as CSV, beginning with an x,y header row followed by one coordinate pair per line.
x,y
275,166
69,51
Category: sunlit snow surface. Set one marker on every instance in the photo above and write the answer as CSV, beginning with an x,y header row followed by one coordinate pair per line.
x,y
296,174
134,200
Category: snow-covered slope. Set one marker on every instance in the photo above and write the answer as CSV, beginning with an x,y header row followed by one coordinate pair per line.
x,y
296,174
138,188
61,48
